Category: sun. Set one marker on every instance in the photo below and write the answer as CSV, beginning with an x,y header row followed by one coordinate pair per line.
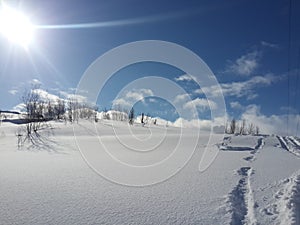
x,y
15,26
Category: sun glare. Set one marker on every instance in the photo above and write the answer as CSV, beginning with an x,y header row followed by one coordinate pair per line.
x,y
15,26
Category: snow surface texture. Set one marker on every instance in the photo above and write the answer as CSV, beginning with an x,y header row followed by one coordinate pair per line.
x,y
253,180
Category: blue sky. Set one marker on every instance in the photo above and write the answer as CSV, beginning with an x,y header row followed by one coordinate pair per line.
x,y
245,44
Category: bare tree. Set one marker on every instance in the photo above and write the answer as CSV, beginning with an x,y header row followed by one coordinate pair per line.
x,y
96,108
226,128
86,111
59,109
142,119
233,126
131,116
146,118
34,118
73,113
251,128
242,130
50,111
125,114
106,114
257,130
19,135
119,115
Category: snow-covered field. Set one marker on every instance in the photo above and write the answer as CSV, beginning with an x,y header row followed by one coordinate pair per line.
x,y
253,180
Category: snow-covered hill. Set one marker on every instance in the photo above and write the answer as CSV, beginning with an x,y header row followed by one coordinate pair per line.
x,y
253,179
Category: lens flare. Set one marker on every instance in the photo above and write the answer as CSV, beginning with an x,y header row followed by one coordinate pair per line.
x,y
15,26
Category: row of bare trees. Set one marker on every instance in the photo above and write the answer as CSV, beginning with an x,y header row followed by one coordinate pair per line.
x,y
79,110
38,111
241,128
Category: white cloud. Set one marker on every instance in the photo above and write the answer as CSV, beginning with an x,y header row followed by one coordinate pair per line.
x,y
13,92
78,98
288,109
45,96
245,65
217,124
139,95
199,91
200,103
188,107
185,123
129,98
268,44
236,105
181,98
35,82
273,124
75,97
185,77
243,88
152,100
122,102
195,123
19,108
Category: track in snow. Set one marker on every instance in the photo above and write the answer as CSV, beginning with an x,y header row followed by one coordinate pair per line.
x,y
226,145
286,208
241,199
260,144
290,144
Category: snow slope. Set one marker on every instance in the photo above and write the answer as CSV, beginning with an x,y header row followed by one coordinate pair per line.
x,y
253,180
